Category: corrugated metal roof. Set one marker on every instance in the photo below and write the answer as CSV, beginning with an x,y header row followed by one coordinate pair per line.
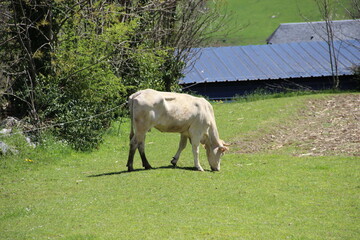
x,y
315,31
276,61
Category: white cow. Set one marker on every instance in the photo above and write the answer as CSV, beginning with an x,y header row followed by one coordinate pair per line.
x,y
190,116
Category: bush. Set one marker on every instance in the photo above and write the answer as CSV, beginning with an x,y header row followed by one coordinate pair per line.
x,y
83,95
83,125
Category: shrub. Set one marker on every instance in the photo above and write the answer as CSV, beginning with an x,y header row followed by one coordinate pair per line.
x,y
83,95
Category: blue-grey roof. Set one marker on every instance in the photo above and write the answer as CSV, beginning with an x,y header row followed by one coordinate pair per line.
x,y
315,31
276,61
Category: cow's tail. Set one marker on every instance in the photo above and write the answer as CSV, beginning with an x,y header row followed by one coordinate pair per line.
x,y
131,109
130,104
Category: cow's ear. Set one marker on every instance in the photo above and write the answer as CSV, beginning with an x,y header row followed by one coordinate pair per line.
x,y
225,144
223,149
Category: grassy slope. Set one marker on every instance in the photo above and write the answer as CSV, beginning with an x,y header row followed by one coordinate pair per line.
x,y
255,196
262,17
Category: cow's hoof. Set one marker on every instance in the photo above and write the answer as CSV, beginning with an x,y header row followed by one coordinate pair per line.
x,y
148,167
200,169
130,169
174,161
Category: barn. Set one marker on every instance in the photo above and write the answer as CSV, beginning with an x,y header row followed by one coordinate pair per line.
x,y
224,72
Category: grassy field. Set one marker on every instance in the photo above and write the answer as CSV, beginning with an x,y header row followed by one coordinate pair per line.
x,y
252,21
55,193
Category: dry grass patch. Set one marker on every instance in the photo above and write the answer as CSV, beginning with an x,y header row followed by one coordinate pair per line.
x,y
327,126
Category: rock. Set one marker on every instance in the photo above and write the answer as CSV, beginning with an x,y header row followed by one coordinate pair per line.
x,y
31,144
6,149
5,131
12,126
9,122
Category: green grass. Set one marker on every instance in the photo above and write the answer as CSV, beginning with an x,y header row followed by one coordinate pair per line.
x,y
253,21
64,194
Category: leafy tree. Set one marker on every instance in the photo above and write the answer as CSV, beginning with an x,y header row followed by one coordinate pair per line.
x,y
25,51
83,83
174,27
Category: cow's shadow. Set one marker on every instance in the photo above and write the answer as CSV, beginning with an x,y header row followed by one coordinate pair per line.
x,y
142,170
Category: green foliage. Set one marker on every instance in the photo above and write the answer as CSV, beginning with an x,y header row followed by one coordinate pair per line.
x,y
81,130
81,59
84,84
146,64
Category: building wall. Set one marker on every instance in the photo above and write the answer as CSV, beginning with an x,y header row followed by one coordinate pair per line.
x,y
227,90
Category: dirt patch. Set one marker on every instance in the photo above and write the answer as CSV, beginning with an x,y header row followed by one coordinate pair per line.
x,y
328,126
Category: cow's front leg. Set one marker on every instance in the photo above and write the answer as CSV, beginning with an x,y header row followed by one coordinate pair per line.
x,y
182,145
195,149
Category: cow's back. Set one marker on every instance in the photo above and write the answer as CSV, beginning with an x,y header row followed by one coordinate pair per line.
x,y
169,112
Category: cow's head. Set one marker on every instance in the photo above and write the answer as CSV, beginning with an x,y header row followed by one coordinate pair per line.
x,y
214,154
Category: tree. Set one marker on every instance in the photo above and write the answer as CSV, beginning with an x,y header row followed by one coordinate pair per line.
x,y
354,9
326,12
27,32
176,27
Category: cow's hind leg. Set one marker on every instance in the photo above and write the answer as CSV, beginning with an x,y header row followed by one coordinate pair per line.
x,y
133,147
141,146
182,145
144,160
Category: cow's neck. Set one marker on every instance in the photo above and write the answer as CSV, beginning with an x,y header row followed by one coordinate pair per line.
x,y
213,137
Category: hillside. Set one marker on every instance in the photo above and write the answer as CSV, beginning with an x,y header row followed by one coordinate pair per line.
x,y
252,21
